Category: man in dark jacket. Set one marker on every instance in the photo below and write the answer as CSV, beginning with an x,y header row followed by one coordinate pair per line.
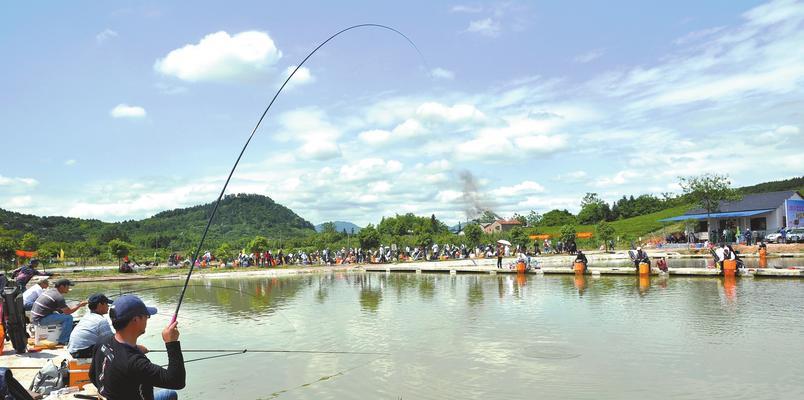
x,y
24,274
120,369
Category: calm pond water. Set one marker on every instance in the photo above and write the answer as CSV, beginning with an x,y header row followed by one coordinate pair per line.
x,y
486,336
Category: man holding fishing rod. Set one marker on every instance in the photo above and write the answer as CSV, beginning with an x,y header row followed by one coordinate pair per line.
x,y
120,369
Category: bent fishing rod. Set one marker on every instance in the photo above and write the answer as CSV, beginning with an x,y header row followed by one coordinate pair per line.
x,y
251,136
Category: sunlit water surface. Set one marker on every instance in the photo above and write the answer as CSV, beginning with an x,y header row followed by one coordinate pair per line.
x,y
486,336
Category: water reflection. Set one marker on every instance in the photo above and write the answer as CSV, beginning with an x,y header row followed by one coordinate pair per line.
x,y
490,336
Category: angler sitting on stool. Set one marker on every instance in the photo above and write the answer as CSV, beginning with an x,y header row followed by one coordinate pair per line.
x,y
581,258
640,257
120,369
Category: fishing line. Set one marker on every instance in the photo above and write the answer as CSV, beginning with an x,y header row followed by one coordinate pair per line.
x,y
243,351
251,136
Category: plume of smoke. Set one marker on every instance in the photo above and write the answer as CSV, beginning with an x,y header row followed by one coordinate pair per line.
x,y
474,202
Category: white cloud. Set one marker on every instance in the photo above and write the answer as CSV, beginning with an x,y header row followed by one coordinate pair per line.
x,y
434,111
441,73
70,162
127,111
221,57
18,182
460,8
19,202
589,56
312,128
375,136
302,77
105,35
697,35
485,27
541,143
619,178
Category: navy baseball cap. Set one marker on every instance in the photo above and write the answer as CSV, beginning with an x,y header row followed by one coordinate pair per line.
x,y
130,306
98,298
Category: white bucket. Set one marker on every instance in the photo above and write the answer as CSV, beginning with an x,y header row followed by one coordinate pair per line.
x,y
50,333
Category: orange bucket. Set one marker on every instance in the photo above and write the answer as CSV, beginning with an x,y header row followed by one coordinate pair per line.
x,y
79,372
579,267
644,268
520,267
730,265
644,283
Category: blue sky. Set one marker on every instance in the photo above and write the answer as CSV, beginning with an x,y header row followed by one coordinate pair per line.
x,y
120,110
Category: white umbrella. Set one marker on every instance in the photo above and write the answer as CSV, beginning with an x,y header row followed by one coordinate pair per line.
x,y
505,242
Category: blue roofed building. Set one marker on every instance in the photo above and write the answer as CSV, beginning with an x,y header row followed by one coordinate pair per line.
x,y
761,212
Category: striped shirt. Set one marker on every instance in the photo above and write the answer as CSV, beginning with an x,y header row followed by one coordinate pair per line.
x,y
47,303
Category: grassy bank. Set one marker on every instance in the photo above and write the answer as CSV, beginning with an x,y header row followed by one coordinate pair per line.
x,y
630,228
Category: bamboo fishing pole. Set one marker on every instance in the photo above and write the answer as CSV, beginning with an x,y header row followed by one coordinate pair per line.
x,y
251,136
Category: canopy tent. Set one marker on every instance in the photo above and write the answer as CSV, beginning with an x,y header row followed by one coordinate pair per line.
x,y
716,215
25,254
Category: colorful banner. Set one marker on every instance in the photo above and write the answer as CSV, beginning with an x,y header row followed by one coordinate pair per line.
x,y
794,210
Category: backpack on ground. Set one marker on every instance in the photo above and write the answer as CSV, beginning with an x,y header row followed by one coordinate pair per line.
x,y
51,378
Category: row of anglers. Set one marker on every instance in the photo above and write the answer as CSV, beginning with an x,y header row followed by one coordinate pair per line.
x,y
721,253
120,368
382,254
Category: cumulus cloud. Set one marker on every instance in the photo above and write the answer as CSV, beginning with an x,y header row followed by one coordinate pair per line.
x,y
434,111
107,34
126,111
441,73
221,57
312,128
302,77
486,27
18,182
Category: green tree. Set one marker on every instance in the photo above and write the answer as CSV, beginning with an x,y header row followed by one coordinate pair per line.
x,y
369,237
7,251
29,242
328,227
605,232
120,249
557,218
224,251
533,218
567,233
593,210
521,218
473,233
49,250
487,217
519,237
707,191
258,245
112,232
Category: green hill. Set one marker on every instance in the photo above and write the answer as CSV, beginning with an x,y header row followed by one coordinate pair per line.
x,y
240,217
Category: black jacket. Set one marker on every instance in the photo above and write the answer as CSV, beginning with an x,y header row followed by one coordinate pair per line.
x,y
121,372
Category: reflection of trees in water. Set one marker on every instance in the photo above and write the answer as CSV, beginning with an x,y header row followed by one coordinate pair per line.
x,y
242,297
474,295
370,291
322,291
427,286
402,283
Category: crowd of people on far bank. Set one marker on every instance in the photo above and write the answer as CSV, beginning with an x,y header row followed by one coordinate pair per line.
x,y
379,255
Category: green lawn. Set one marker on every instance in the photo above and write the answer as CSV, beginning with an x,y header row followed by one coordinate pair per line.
x,y
632,228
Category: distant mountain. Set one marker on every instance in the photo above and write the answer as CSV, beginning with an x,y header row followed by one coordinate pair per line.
x,y
340,226
240,217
